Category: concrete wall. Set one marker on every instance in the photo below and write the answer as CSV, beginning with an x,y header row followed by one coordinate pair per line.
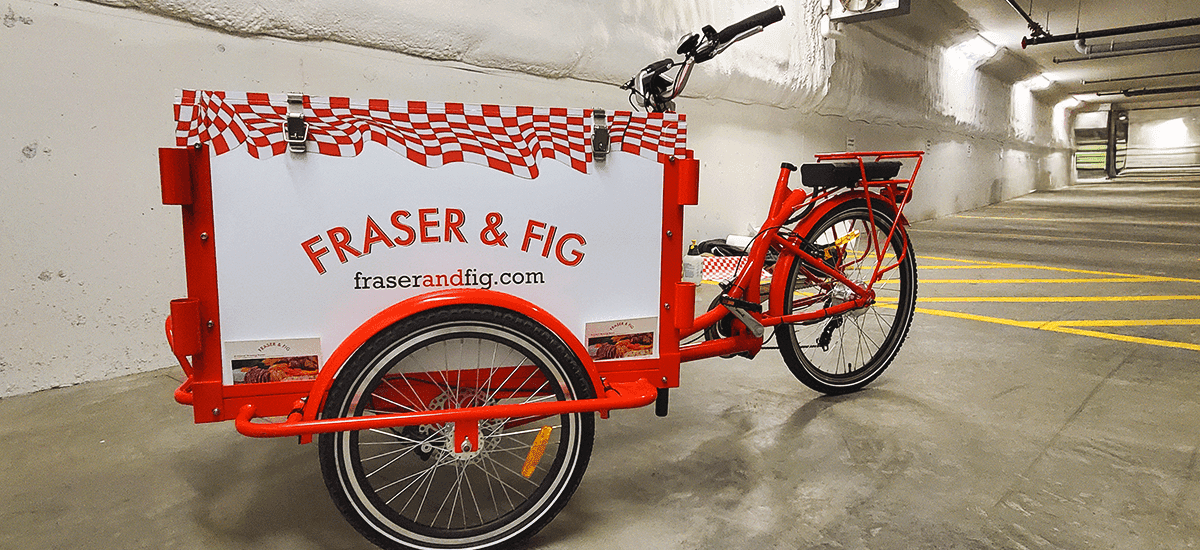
x,y
1164,138
92,258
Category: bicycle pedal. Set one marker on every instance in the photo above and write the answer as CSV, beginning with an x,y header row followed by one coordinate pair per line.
x,y
739,309
734,303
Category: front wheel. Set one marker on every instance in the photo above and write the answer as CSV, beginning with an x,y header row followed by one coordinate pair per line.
x,y
410,487
844,353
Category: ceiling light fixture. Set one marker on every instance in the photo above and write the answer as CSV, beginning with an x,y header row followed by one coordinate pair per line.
x,y
973,51
1037,82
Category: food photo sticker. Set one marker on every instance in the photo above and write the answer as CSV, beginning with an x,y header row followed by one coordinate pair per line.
x,y
621,339
280,360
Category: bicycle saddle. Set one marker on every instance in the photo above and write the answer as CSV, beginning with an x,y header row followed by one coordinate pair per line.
x,y
846,174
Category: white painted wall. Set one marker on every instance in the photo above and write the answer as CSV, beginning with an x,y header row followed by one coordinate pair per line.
x,y
1164,138
92,257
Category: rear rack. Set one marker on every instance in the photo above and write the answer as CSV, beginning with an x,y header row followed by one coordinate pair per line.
x,y
898,191
895,192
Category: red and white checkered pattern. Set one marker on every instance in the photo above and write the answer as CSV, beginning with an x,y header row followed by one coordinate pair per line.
x,y
657,136
719,269
509,139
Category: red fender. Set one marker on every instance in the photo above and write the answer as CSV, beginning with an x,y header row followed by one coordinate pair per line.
x,y
316,397
834,202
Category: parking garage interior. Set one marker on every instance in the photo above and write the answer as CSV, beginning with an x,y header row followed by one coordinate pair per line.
x,y
1045,396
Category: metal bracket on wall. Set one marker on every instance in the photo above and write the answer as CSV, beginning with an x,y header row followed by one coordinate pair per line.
x,y
295,129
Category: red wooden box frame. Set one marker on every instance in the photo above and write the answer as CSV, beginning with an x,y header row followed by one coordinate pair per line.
x,y
193,328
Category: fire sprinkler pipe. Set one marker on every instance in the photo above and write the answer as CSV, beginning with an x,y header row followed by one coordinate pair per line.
x,y
1036,38
1152,91
1035,29
1135,92
1144,77
1084,48
1108,55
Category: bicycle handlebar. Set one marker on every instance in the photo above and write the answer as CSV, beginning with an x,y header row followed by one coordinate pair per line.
x,y
659,67
656,90
761,19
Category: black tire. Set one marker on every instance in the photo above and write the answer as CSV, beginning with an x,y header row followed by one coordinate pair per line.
x,y
845,353
406,487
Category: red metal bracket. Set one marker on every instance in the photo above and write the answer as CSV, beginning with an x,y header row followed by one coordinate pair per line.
x,y
687,174
417,304
619,396
183,394
175,173
466,436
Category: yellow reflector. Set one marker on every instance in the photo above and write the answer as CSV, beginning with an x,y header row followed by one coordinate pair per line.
x,y
841,241
536,451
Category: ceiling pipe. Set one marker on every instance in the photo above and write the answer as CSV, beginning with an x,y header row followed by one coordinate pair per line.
x,y
1084,48
1035,29
1043,37
1110,55
1153,91
1144,77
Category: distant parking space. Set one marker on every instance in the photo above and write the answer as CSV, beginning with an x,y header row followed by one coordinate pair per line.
x,y
1097,304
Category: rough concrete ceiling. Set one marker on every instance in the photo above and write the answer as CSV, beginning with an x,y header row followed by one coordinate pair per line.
x,y
1000,23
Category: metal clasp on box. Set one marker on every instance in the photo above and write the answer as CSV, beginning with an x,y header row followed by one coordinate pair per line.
x,y
295,129
600,136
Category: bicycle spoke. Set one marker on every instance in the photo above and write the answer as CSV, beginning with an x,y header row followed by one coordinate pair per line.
x,y
388,453
504,486
474,499
844,352
422,476
410,478
393,461
395,436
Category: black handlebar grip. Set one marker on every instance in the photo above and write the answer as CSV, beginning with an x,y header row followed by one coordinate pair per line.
x,y
761,19
660,66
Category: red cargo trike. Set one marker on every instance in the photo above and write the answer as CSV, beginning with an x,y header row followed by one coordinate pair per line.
x,y
447,311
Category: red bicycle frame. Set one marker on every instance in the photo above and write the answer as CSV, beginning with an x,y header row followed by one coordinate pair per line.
x,y
619,385
891,195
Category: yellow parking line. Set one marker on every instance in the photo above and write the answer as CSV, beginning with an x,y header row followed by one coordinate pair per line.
x,y
941,259
999,265
984,318
1054,299
1069,327
1127,279
1079,327
974,266
1076,220
1125,323
1124,338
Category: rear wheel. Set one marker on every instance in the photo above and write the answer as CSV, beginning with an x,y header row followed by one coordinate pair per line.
x,y
410,487
846,352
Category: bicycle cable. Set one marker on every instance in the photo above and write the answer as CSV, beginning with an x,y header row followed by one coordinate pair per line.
x,y
808,208
738,266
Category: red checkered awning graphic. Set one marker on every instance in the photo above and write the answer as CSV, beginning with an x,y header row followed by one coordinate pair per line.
x,y
509,139
720,269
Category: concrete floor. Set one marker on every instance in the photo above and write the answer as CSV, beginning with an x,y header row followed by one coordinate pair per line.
x,y
1048,396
